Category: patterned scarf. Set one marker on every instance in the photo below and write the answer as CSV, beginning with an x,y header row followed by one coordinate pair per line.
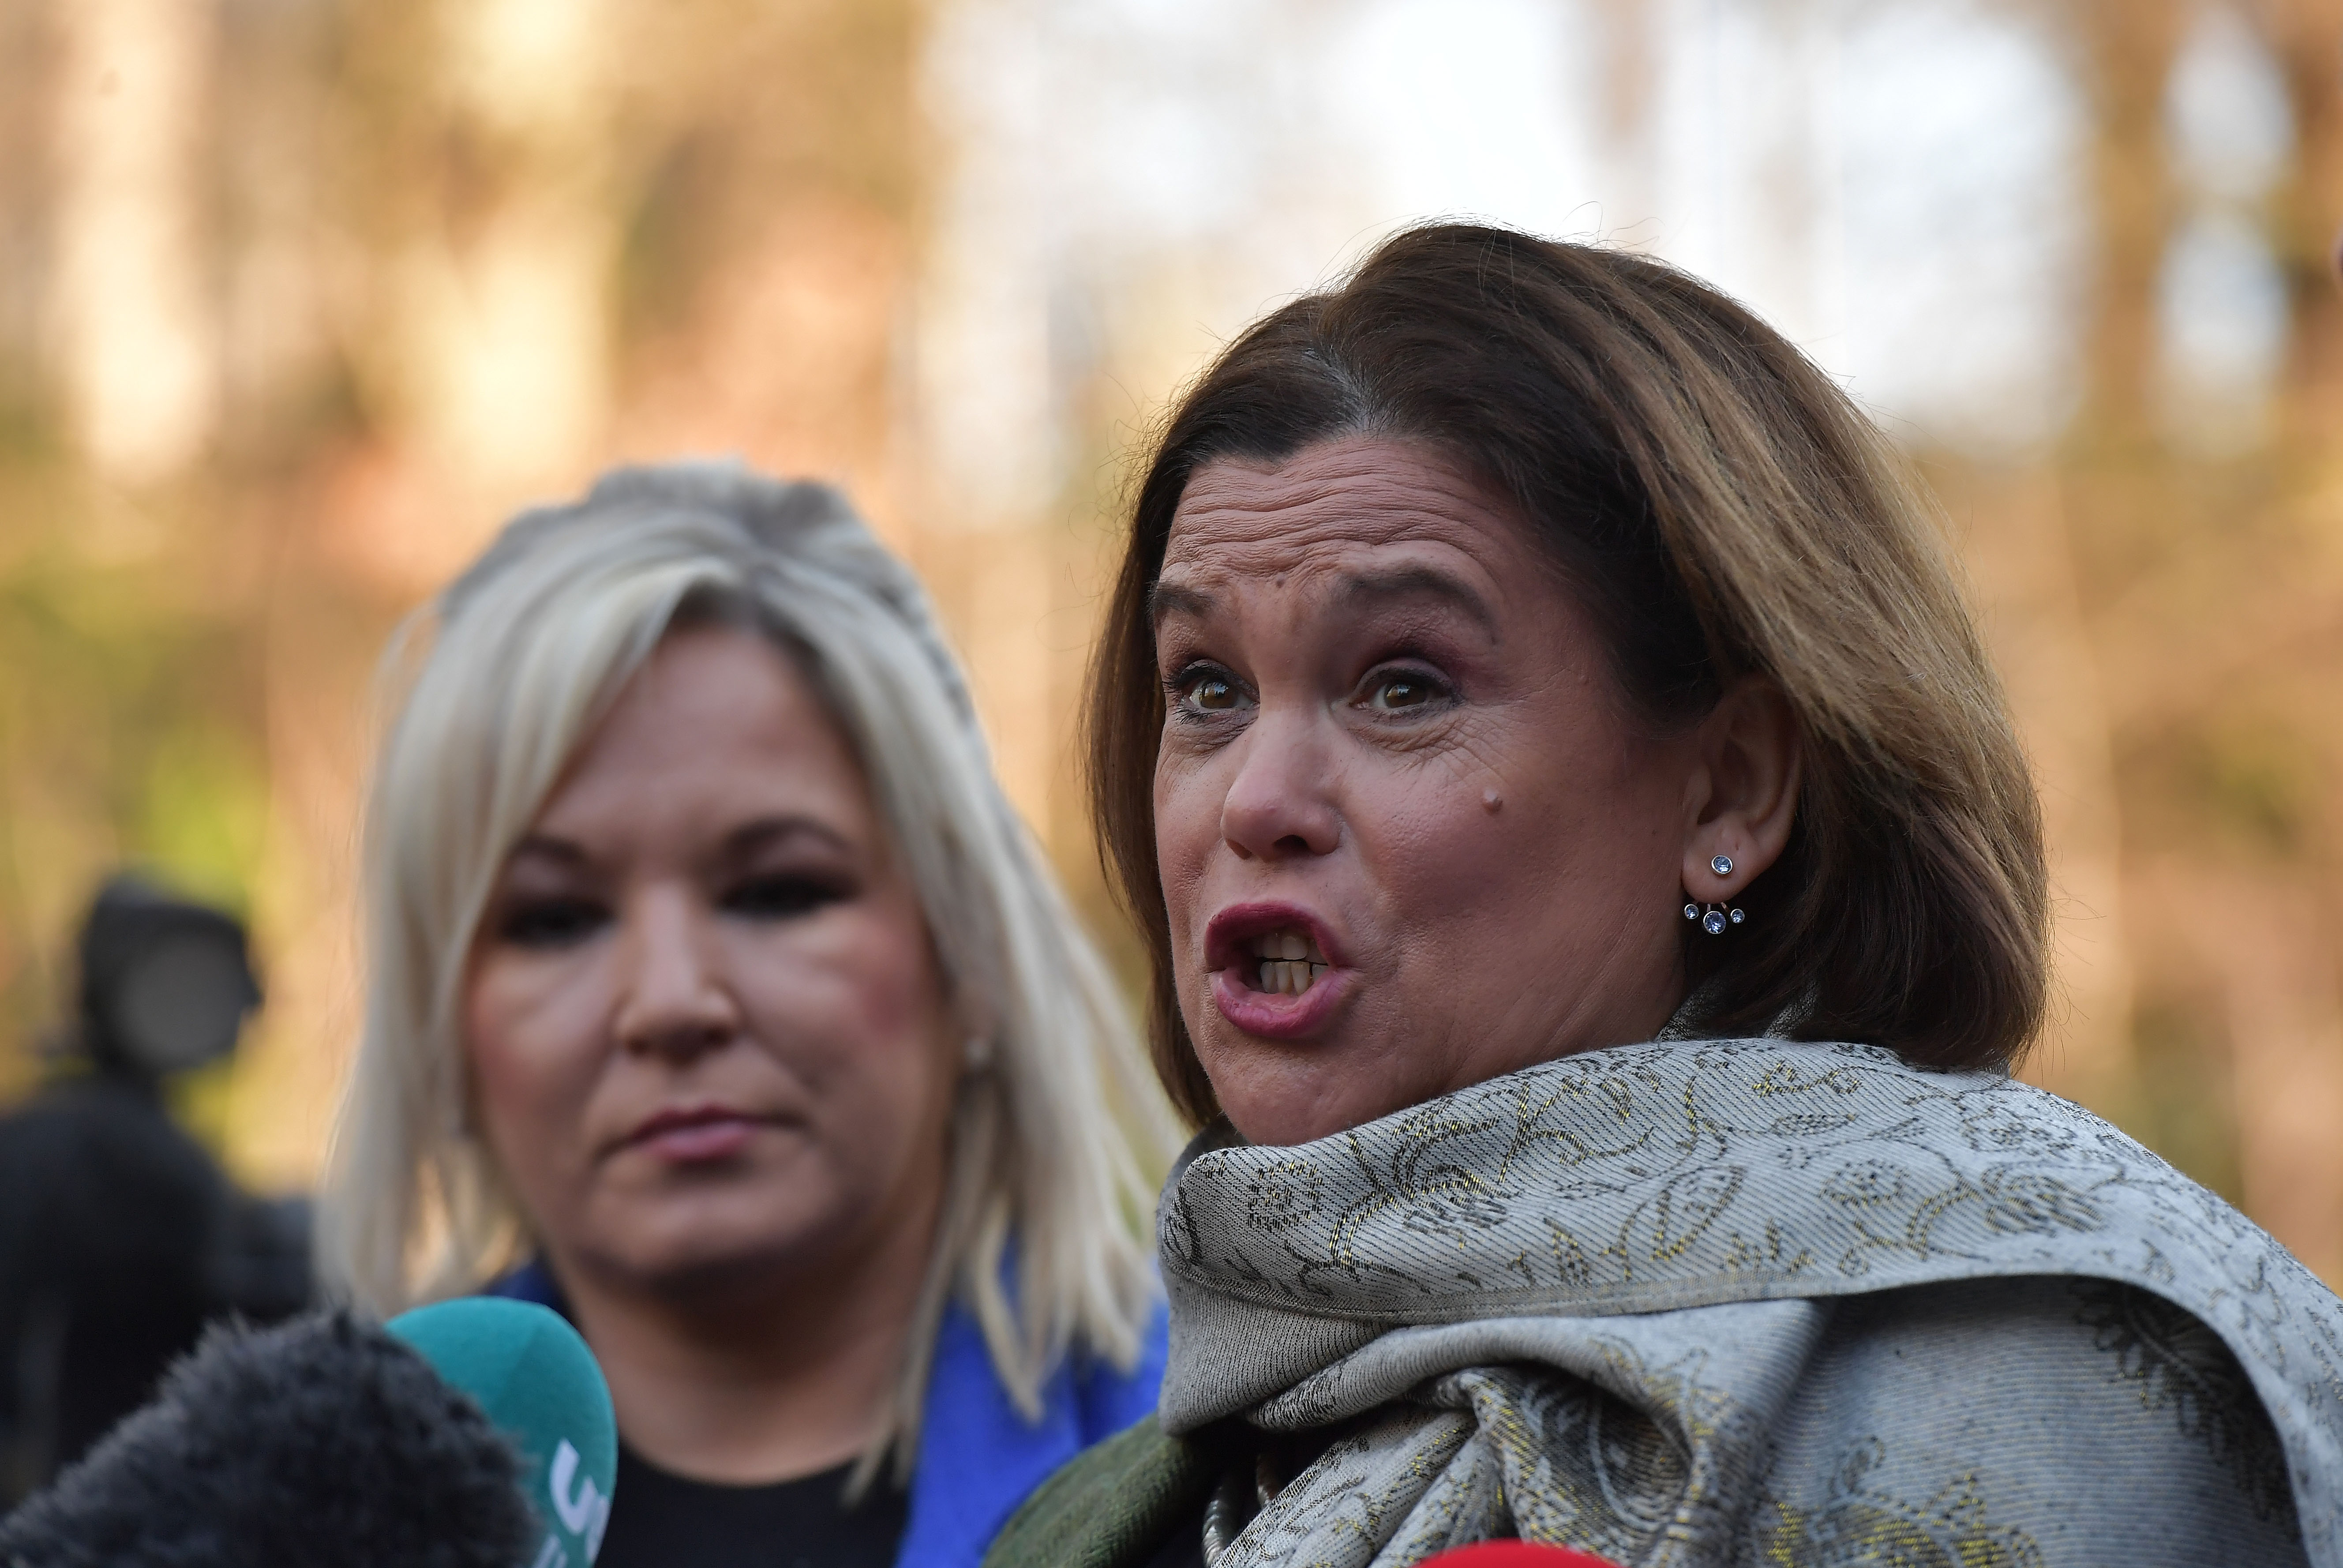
x,y
1746,1301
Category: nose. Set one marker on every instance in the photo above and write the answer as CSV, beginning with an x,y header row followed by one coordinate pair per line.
x,y
673,1000
1281,804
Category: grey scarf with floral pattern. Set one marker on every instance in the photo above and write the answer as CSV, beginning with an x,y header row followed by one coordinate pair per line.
x,y
1748,1302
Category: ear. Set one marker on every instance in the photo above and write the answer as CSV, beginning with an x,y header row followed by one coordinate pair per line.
x,y
976,1024
1744,789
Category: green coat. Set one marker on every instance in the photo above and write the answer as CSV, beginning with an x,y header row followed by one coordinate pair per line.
x,y
1114,1507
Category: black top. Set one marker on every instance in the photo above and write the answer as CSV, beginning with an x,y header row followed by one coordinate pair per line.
x,y
663,1521
119,1238
1183,1548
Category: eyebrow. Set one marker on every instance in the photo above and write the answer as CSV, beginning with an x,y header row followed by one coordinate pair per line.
x,y
745,840
756,835
544,846
1166,599
1417,582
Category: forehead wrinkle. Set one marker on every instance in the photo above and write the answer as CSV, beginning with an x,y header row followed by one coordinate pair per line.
x,y
1322,467
1330,575
1306,541
1282,491
1325,522
1382,514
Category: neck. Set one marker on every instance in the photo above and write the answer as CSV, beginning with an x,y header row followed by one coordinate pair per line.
x,y
761,1379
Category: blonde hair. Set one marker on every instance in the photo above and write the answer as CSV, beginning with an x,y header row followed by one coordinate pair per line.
x,y
495,686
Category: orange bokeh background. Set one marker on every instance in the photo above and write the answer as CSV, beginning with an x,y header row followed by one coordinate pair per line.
x,y
298,299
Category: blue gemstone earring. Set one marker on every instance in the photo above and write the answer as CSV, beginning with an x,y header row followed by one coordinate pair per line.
x,y
1716,918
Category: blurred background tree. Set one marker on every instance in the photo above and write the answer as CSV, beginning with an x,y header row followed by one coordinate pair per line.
x,y
299,297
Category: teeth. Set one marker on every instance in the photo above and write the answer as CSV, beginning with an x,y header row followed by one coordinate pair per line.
x,y
1289,977
1291,962
1287,947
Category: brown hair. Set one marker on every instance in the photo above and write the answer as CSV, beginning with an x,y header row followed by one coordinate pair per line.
x,y
1720,508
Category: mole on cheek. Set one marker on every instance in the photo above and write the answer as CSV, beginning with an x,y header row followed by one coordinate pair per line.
x,y
1491,801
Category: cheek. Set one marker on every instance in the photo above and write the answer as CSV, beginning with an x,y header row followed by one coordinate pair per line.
x,y
1187,828
1435,849
533,1033
859,1014
1583,822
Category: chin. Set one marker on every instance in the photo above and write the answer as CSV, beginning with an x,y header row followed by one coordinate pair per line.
x,y
1277,1101
723,1239
719,1267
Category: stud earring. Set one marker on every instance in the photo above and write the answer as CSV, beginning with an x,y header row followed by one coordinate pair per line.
x,y
1715,918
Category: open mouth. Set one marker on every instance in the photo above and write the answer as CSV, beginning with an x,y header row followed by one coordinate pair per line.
x,y
1285,962
1276,971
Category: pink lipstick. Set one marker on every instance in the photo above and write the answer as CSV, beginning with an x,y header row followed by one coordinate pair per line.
x,y
1277,971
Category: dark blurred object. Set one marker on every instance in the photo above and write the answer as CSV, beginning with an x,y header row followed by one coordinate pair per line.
x,y
322,1440
120,1237
165,984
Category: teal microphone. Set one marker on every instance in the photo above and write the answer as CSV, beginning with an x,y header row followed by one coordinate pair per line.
x,y
538,1384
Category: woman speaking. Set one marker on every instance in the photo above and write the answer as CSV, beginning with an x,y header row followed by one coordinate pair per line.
x,y
1595,898
716,998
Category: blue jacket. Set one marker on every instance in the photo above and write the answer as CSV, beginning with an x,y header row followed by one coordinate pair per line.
x,y
979,1457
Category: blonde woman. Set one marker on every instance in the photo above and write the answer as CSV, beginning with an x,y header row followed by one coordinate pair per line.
x,y
716,998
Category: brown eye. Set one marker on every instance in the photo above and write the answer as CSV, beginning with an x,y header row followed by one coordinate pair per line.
x,y
1207,693
1395,692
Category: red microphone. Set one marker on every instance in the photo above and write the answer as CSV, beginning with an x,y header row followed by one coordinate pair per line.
x,y
1514,1555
